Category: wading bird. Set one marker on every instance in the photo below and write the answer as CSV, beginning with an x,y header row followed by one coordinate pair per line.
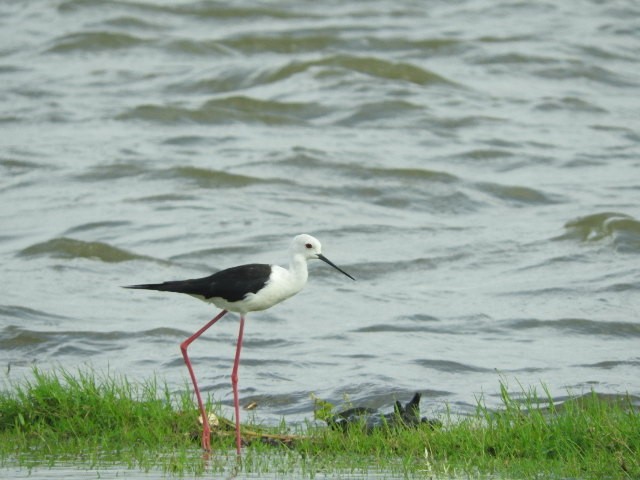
x,y
244,289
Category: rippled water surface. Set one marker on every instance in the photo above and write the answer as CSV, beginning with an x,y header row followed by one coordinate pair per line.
x,y
475,165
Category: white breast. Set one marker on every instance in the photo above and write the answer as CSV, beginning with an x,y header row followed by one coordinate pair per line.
x,y
281,285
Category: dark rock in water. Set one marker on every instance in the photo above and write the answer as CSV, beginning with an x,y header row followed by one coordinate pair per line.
x,y
370,419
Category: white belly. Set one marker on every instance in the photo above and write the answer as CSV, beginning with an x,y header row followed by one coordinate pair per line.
x,y
280,286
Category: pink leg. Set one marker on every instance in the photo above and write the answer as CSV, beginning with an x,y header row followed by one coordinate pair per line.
x,y
206,430
234,384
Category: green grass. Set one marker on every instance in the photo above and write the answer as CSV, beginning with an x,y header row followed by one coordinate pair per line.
x,y
97,421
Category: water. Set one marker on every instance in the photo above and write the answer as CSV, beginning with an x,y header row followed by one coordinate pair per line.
x,y
474,165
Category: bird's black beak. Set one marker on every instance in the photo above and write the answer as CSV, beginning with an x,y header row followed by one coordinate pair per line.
x,y
326,260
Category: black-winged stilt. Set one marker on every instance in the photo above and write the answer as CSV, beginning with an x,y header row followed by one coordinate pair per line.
x,y
244,289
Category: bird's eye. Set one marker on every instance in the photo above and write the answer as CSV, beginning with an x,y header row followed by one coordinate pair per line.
x,y
308,245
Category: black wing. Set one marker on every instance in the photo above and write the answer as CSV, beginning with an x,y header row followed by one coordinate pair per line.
x,y
232,284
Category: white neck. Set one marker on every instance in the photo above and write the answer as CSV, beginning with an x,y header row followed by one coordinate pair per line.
x,y
298,269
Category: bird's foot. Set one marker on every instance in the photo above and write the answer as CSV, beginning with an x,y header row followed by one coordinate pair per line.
x,y
206,438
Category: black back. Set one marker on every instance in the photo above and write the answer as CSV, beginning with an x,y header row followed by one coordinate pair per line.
x,y
232,284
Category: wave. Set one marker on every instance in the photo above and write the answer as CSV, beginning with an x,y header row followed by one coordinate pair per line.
x,y
28,314
230,109
516,193
70,248
624,230
450,366
581,326
369,66
94,41
207,178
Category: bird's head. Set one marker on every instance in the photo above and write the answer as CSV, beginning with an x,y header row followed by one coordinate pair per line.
x,y
310,248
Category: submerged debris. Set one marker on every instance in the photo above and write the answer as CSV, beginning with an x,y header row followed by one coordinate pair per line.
x,y
214,421
223,427
402,416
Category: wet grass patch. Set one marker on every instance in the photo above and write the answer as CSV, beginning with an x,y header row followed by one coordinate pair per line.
x,y
100,420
